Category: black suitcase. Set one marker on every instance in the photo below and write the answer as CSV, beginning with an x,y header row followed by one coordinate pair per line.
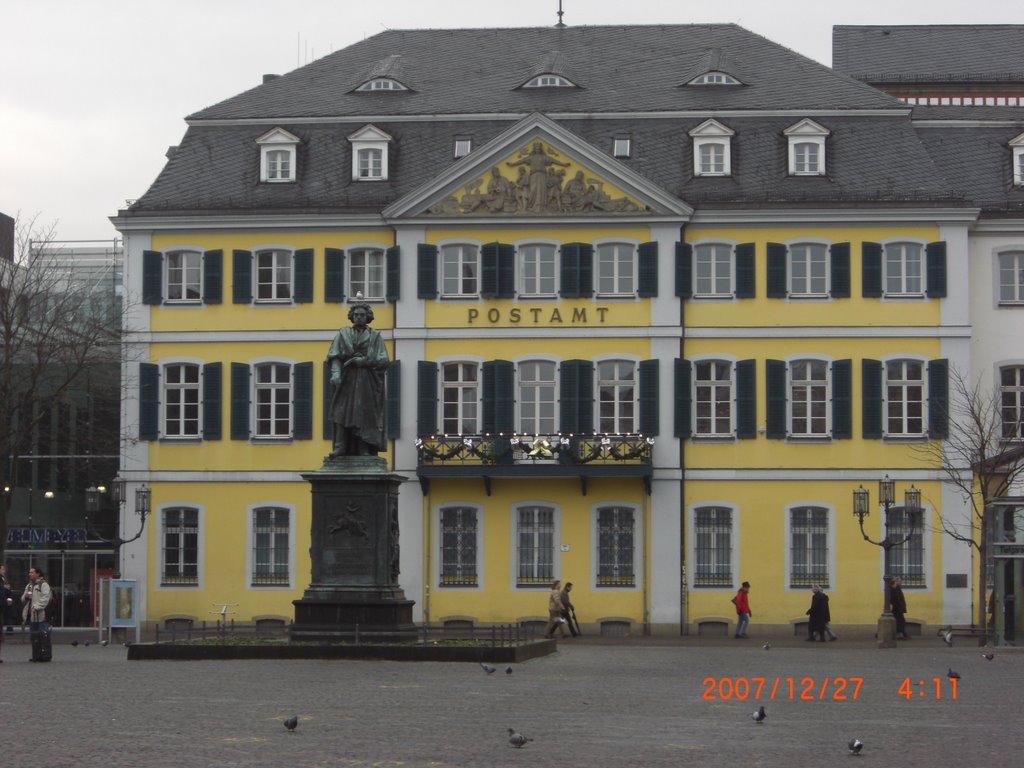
x,y
42,648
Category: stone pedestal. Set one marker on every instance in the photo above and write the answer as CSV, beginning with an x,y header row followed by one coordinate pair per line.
x,y
886,632
354,554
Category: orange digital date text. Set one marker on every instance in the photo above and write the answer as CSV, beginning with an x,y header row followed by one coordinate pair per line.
x,y
782,688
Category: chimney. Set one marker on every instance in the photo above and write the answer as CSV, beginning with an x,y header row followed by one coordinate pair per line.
x,y
268,78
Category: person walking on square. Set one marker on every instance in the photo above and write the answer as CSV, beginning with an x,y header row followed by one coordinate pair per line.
x,y
568,609
817,615
37,599
743,612
555,611
898,606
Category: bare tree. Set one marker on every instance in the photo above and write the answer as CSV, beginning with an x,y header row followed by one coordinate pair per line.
x,y
982,459
59,350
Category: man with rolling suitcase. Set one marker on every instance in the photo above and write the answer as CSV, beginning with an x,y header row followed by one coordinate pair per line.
x,y
37,599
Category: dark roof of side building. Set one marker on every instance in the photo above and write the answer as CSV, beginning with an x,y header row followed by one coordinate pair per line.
x,y
930,53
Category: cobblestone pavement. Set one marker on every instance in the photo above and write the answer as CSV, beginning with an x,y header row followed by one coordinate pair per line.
x,y
597,703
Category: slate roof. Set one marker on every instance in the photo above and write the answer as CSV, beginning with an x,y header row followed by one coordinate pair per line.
x,y
871,158
930,53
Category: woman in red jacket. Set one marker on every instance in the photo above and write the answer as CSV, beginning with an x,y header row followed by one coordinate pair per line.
x,y
742,610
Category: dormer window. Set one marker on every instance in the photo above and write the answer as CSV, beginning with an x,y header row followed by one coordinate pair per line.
x,y
549,81
369,154
382,84
806,148
277,156
463,146
712,149
714,78
622,146
1017,148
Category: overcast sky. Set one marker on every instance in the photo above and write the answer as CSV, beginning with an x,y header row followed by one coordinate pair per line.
x,y
93,92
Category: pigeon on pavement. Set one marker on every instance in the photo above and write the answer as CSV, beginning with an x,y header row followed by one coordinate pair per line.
x,y
508,670
291,723
988,656
856,745
517,739
74,643
953,675
766,646
947,637
86,643
104,643
759,716
487,668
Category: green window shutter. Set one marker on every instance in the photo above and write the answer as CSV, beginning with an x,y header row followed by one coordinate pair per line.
x,y
840,255
393,404
213,276
777,254
426,398
935,255
571,270
938,399
506,271
241,276
303,260
489,270
212,377
498,396
684,270
302,401
149,401
746,399
775,383
871,270
586,397
334,275
569,397
426,271
842,396
328,424
745,271
586,270
152,277
871,399
682,420
240,401
649,414
393,263
647,270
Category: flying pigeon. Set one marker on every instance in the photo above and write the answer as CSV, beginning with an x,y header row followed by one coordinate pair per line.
x,y
517,739
759,716
953,675
947,637
856,745
988,656
487,668
766,646
508,670
291,723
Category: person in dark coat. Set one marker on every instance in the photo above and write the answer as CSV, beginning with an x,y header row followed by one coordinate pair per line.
x,y
898,606
818,615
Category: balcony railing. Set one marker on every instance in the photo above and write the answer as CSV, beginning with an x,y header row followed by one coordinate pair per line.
x,y
567,451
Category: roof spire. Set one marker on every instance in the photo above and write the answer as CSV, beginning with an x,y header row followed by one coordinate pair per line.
x,y
560,25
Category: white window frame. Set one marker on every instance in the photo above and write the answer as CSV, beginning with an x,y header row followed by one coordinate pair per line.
x,y
478,565
904,385
274,387
732,566
620,402
1017,152
541,582
458,256
1015,391
715,78
382,84
717,386
807,385
190,276
620,270
539,285
897,553
277,140
715,265
161,581
806,132
622,146
709,135
468,393
373,289
463,146
808,258
180,387
365,139
897,254
549,80
250,547
595,533
830,544
544,398
281,291
1003,269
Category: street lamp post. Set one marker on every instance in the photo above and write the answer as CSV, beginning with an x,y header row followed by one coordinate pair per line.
x,y
886,633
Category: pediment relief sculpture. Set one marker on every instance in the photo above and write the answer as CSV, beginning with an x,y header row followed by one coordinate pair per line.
x,y
537,180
